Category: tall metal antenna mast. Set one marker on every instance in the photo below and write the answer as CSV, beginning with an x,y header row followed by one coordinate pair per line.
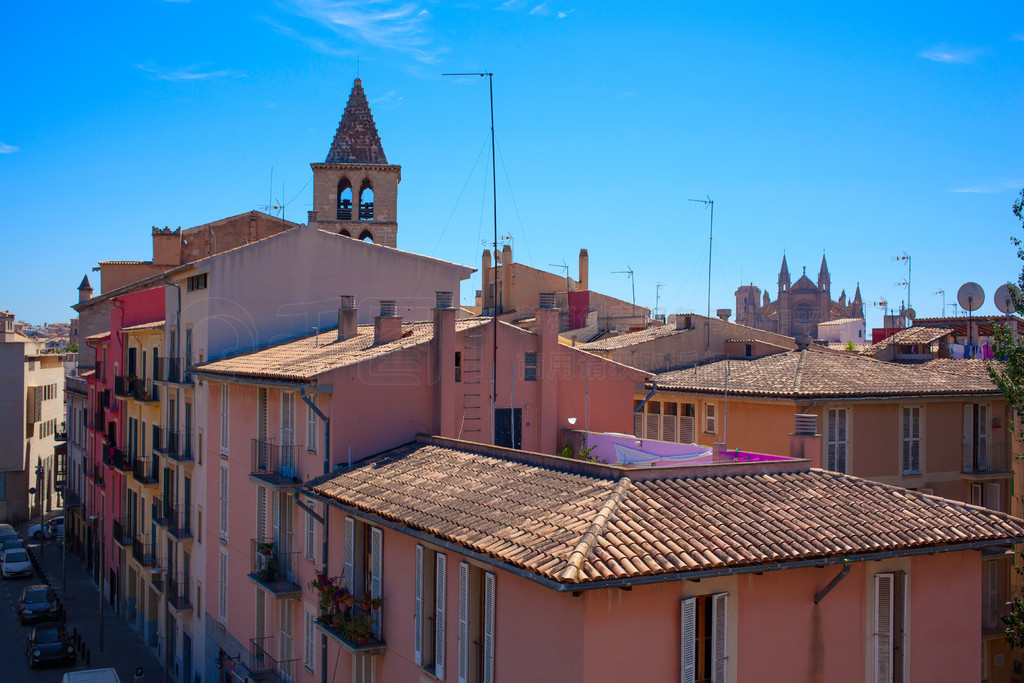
x,y
629,271
906,257
711,235
943,293
657,297
494,188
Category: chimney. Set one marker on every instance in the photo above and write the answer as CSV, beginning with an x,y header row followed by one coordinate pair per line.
x,y
348,318
548,364
444,365
584,270
486,281
507,304
84,290
387,327
684,322
311,219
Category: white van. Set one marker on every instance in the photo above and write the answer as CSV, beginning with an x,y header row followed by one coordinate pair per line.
x,y
91,676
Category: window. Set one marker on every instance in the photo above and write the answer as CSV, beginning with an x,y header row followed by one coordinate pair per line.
x,y
911,440
310,553
986,495
889,620
836,445
429,609
748,350
196,282
709,418
309,639
311,426
704,628
363,563
224,503
458,366
199,599
476,624
975,443
222,592
225,398
199,524
530,367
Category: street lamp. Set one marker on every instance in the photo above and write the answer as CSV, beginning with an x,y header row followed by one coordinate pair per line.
x,y
99,584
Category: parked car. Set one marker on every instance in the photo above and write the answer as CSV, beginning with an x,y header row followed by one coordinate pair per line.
x,y
37,603
107,675
11,545
49,642
15,563
52,528
7,532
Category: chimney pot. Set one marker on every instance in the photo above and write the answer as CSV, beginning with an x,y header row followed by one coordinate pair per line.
x,y
388,308
348,318
387,327
547,300
445,299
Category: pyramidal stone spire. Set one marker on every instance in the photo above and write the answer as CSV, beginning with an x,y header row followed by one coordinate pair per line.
x,y
784,272
823,272
356,140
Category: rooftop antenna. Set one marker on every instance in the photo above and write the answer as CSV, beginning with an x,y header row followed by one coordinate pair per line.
x,y
494,188
629,271
564,266
905,257
942,292
711,234
657,297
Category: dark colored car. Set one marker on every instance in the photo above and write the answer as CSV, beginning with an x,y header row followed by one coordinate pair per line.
x,y
7,533
49,642
11,544
37,603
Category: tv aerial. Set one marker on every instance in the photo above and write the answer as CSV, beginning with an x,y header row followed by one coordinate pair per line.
x,y
970,296
1003,300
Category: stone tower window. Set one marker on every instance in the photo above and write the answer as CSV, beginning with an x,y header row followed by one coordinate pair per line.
x,y
366,201
344,232
366,235
344,200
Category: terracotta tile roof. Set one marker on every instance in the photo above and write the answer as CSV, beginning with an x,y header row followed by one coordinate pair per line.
x,y
619,341
911,335
819,373
144,326
99,336
970,367
840,321
304,358
566,522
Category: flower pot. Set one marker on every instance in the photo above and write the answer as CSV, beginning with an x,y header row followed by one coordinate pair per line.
x,y
362,640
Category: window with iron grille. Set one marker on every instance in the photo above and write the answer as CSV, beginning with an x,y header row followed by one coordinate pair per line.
x,y
530,367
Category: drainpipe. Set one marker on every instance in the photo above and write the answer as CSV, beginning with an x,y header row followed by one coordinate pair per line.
x,y
323,542
654,390
177,314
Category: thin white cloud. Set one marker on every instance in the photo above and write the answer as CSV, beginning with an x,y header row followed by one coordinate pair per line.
x,y
314,44
991,188
7,149
389,98
949,55
196,72
388,24
975,190
562,14
541,9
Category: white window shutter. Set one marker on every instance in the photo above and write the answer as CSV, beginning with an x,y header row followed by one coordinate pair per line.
x,y
883,627
487,675
376,569
350,554
463,622
992,495
418,615
439,622
968,437
719,640
983,437
688,648
976,495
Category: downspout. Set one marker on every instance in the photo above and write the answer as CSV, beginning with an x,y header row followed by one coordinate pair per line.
x,y
326,515
654,390
177,314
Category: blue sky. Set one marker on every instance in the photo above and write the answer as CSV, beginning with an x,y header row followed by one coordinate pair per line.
x,y
862,131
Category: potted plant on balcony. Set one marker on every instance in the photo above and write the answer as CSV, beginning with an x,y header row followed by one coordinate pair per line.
x,y
265,547
268,572
360,628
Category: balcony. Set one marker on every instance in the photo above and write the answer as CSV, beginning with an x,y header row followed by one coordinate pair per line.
x,y
123,386
273,569
990,461
145,390
179,447
345,630
116,458
76,385
173,370
263,668
178,592
274,464
179,524
107,400
146,471
144,553
123,535
159,512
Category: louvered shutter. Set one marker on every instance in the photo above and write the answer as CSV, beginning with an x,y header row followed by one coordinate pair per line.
x,y
688,646
968,442
906,440
719,633
916,445
668,428
638,425
439,622
261,514
350,554
418,617
686,429
976,492
376,566
883,627
841,418
992,501
982,428
653,426
487,675
463,622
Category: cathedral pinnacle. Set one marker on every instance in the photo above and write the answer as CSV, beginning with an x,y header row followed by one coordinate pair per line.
x,y
356,140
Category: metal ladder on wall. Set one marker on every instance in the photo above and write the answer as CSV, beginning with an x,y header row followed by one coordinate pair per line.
x,y
471,426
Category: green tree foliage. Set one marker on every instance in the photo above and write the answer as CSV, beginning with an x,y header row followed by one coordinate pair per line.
x,y
1008,374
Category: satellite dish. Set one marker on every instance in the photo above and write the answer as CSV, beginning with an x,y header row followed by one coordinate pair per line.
x,y
1003,301
910,313
970,296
